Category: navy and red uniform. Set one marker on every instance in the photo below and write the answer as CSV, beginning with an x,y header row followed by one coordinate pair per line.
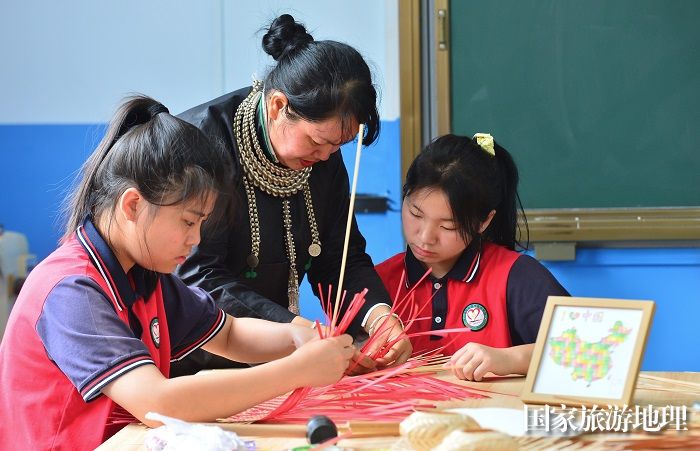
x,y
79,323
495,295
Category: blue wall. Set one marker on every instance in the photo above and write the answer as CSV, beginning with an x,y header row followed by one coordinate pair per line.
x,y
668,276
39,163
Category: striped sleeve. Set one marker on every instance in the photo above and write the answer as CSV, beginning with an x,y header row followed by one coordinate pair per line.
x,y
208,335
193,316
85,338
93,389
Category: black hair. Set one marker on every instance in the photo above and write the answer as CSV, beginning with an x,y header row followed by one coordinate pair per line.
x,y
475,182
321,79
167,159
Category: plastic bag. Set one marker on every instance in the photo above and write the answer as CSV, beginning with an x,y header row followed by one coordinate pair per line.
x,y
178,435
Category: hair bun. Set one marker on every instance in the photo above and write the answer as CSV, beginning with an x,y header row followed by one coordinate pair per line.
x,y
285,35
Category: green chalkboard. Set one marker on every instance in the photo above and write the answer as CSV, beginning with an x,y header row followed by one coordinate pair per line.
x,y
598,100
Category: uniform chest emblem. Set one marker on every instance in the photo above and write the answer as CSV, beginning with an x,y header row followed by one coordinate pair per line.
x,y
475,316
155,332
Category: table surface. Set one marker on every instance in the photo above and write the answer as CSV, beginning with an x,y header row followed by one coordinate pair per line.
x,y
655,388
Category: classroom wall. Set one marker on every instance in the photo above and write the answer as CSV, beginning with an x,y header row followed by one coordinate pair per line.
x,y
66,65
71,62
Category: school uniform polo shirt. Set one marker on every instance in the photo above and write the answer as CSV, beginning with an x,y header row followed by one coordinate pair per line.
x,y
78,324
493,295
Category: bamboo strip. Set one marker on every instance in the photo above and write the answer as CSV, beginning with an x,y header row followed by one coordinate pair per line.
x,y
265,430
339,288
666,380
673,390
373,428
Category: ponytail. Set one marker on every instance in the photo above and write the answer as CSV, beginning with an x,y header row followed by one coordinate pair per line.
x,y
168,160
505,228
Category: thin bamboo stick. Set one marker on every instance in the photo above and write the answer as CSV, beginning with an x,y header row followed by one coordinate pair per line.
x,y
265,430
666,380
339,288
672,390
372,428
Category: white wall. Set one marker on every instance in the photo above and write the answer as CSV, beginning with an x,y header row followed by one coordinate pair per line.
x,y
371,26
72,61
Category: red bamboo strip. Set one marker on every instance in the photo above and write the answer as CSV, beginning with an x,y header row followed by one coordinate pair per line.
x,y
385,395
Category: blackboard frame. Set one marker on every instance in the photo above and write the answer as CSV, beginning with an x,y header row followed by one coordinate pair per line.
x,y
613,224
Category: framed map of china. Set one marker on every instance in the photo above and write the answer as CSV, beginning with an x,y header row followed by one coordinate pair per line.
x,y
588,351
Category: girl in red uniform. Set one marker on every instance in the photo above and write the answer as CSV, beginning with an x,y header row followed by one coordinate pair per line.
x,y
92,335
459,213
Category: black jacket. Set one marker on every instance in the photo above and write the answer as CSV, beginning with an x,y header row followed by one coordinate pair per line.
x,y
218,264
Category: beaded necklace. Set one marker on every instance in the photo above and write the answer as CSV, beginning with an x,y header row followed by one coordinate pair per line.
x,y
261,173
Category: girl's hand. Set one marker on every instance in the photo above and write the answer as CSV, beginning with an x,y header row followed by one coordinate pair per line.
x,y
385,328
474,360
302,335
303,332
398,354
323,362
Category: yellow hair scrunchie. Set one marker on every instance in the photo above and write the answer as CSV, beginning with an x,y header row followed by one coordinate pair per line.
x,y
486,142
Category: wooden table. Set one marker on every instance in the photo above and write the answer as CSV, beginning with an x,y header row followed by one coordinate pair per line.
x,y
655,388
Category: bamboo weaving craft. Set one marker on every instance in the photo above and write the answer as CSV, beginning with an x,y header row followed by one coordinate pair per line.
x,y
384,395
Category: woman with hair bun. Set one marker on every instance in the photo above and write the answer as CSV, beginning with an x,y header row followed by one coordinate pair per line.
x,y
284,133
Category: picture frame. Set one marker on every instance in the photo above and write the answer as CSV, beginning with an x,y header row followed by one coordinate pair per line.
x,y
588,351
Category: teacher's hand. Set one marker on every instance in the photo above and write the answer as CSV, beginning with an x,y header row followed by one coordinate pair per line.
x,y
385,330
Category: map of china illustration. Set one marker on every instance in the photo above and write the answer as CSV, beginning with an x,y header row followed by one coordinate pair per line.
x,y
590,361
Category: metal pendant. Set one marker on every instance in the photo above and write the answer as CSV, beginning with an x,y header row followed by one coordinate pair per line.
x,y
314,250
293,290
252,260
